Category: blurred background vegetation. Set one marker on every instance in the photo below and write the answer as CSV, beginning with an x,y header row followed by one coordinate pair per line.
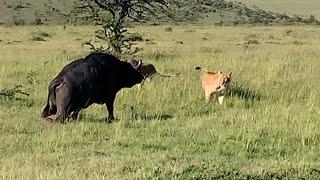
x,y
211,12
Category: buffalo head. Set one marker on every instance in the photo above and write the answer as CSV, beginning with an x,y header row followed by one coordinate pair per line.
x,y
130,75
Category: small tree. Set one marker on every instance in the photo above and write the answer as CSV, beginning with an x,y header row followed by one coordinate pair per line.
x,y
112,16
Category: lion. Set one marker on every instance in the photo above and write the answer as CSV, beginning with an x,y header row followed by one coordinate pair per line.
x,y
214,84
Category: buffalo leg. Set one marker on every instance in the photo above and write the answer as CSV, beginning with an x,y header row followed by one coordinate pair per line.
x,y
48,111
63,94
75,114
109,104
51,107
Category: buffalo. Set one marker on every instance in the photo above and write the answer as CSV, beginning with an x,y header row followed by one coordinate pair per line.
x,y
94,79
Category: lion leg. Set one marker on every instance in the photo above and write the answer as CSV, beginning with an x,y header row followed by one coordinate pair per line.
x,y
207,95
220,99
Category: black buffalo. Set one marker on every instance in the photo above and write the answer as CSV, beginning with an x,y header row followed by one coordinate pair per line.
x,y
94,79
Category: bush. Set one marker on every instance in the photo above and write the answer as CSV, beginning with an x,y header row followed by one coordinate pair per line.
x,y
297,43
135,37
15,96
17,21
40,36
168,29
38,21
37,38
253,41
44,34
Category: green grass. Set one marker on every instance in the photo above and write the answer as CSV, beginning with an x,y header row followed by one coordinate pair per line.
x,y
176,134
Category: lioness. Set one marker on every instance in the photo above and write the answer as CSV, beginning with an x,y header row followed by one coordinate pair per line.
x,y
214,84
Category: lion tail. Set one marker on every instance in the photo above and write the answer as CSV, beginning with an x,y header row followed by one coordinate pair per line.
x,y
200,68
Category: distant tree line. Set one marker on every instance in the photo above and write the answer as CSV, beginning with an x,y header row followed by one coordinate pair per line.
x,y
184,11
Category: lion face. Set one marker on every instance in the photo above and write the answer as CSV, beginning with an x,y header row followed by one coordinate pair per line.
x,y
223,81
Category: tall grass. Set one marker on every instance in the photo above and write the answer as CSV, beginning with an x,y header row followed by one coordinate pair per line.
x,y
267,128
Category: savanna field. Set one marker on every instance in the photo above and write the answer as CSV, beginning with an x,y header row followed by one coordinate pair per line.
x,y
267,128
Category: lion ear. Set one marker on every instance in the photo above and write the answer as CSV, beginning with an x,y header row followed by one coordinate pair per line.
x,y
230,75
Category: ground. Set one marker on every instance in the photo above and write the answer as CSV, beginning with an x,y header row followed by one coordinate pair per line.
x,y
267,128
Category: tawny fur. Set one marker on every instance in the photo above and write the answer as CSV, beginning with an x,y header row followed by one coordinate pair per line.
x,y
214,84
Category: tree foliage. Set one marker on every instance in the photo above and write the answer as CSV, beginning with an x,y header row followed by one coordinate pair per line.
x,y
113,15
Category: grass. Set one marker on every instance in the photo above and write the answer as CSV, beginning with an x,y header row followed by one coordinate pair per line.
x,y
268,128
